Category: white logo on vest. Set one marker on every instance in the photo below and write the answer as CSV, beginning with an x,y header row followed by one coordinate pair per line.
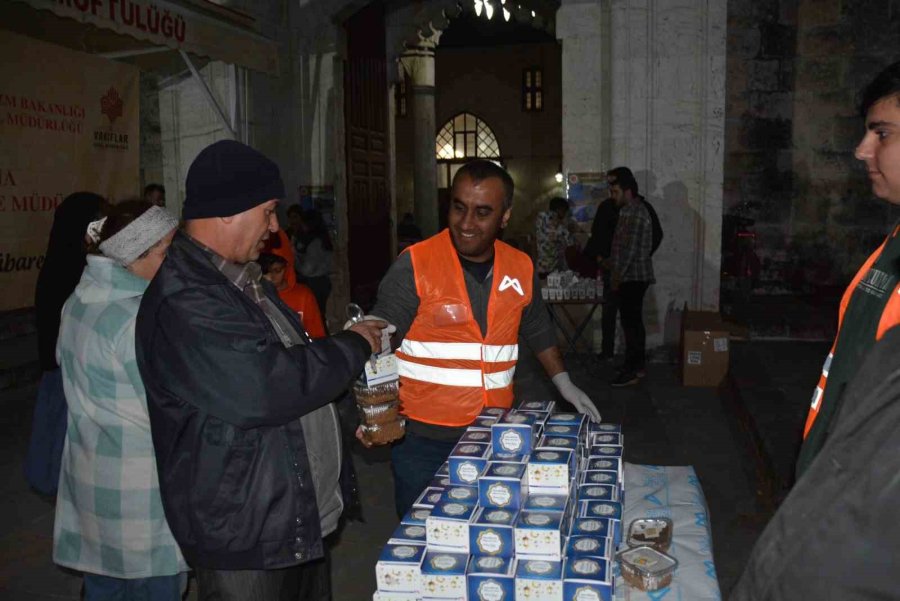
x,y
513,283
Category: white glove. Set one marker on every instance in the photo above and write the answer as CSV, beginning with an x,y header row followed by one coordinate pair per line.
x,y
575,395
385,332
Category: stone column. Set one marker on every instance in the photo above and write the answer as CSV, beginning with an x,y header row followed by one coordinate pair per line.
x,y
418,64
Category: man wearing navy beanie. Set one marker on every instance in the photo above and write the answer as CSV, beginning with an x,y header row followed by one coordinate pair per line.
x,y
246,436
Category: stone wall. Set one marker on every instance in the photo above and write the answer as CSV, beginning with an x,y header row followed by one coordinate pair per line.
x,y
795,68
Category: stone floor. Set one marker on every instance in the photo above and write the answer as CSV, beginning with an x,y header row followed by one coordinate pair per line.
x,y
664,423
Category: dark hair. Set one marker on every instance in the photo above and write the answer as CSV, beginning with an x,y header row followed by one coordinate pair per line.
x,y
267,260
117,218
313,220
885,85
559,204
154,188
480,169
295,209
624,178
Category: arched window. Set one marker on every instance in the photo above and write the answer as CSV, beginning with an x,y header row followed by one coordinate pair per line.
x,y
462,138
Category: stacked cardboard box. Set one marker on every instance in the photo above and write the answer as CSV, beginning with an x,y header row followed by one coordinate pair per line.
x,y
527,506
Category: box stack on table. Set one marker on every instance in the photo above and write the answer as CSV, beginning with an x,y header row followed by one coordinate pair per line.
x,y
567,285
528,506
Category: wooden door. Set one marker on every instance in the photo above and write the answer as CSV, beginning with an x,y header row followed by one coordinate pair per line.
x,y
366,114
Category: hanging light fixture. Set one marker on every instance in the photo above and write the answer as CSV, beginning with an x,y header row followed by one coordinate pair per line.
x,y
478,7
488,9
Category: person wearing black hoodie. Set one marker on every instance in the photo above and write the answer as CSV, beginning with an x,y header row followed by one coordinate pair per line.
x,y
63,263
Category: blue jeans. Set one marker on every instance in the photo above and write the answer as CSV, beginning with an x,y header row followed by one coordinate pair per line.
x,y
155,588
414,460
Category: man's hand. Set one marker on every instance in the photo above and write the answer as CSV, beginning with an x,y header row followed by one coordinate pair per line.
x,y
362,438
575,395
370,329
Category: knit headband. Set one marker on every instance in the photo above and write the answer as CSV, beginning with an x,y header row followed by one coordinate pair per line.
x,y
139,236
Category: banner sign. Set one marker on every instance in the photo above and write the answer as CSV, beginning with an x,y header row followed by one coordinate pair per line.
x,y
585,192
69,122
168,24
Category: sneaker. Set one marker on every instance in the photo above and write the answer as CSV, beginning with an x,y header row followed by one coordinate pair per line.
x,y
624,378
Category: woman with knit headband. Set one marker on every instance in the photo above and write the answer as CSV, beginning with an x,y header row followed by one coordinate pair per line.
x,y
109,517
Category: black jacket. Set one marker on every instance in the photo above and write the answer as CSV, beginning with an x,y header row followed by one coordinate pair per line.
x,y
837,535
602,229
225,397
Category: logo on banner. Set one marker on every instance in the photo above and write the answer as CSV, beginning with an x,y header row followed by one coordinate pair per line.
x,y
513,283
111,105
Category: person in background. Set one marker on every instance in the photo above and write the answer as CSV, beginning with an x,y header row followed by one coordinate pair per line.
x,y
631,271
408,232
296,296
155,194
294,219
109,518
599,249
253,470
64,262
315,257
553,234
460,301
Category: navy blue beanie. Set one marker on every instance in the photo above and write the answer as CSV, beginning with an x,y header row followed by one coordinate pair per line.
x,y
228,178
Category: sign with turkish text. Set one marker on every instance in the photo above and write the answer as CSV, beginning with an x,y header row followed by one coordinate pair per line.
x,y
69,125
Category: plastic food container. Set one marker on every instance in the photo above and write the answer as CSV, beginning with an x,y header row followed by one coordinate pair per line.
x,y
647,569
652,532
379,415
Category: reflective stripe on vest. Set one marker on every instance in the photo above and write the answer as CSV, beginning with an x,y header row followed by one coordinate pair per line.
x,y
451,376
467,351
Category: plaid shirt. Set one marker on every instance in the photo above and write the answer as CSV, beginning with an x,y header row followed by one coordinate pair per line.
x,y
247,277
109,513
632,243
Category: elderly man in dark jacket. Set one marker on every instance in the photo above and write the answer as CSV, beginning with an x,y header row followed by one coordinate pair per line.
x,y
247,438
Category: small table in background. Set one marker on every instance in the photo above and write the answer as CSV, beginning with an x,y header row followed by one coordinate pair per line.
x,y
572,329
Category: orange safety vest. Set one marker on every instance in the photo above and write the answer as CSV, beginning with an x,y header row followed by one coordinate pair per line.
x,y
890,317
448,370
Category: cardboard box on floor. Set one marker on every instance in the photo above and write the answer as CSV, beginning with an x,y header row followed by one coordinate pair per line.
x,y
704,348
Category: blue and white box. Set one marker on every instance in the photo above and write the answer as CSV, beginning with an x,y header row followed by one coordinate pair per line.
x,y
607,464
605,427
491,578
543,406
444,575
416,516
578,420
440,482
606,451
540,501
565,430
444,470
467,495
514,433
495,412
467,462
604,527
587,579
503,485
429,497
551,470
398,568
557,443
406,534
484,421
447,528
539,580
476,435
509,458
606,439
539,535
540,418
608,477
604,509
491,532
598,492
593,545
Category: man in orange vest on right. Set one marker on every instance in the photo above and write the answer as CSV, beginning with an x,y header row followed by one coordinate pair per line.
x,y
460,301
871,304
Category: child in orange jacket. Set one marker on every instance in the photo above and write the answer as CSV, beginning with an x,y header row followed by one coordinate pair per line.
x,y
295,295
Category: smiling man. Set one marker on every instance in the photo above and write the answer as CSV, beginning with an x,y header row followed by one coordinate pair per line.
x,y
460,300
871,304
246,436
